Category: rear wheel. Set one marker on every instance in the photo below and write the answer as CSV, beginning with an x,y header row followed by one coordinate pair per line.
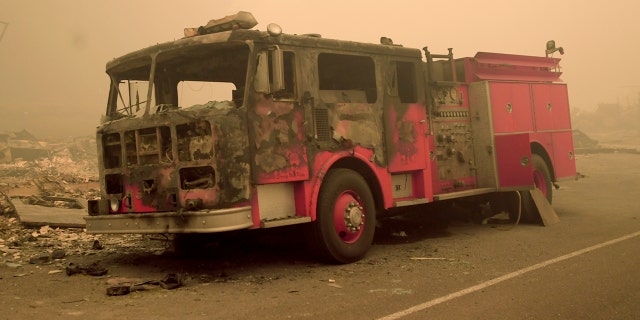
x,y
542,176
345,224
542,181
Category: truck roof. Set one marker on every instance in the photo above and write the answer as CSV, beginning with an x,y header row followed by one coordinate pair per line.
x,y
241,36
236,31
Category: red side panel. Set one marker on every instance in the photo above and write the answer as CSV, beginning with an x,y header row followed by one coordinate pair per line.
x,y
551,107
408,130
511,107
513,157
563,155
280,154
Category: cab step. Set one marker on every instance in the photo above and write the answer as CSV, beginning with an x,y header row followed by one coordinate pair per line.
x,y
284,221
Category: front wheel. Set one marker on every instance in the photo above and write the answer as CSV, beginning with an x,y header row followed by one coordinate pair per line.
x,y
345,224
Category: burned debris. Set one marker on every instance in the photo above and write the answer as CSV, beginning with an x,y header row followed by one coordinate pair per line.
x,y
21,145
63,178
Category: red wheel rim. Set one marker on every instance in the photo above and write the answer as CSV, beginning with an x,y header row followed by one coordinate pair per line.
x,y
540,182
348,217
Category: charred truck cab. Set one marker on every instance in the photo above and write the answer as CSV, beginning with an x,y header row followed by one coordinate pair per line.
x,y
233,128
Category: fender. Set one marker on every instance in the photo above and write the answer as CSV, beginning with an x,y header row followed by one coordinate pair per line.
x,y
325,160
542,144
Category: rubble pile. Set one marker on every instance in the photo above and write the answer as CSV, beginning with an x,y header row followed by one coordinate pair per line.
x,y
6,206
64,178
61,173
20,246
74,162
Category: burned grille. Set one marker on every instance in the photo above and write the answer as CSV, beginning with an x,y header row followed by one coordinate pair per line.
x,y
323,131
154,145
148,146
194,141
143,146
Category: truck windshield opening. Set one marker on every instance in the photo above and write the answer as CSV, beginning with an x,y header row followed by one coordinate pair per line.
x,y
181,80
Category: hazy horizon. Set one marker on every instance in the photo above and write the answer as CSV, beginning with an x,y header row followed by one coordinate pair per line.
x,y
53,54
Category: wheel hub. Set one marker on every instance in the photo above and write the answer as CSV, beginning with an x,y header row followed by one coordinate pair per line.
x,y
353,216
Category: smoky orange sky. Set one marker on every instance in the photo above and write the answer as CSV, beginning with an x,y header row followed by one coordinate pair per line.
x,y
53,53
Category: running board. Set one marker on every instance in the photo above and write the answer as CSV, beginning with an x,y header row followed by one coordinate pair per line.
x,y
413,202
284,222
465,193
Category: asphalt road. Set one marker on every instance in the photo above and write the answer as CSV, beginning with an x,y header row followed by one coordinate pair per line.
x,y
584,267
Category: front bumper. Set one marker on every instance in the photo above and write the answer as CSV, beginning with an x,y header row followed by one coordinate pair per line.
x,y
203,221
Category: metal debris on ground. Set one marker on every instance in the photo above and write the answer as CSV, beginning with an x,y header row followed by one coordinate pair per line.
x,y
400,234
97,245
499,218
93,269
54,202
169,282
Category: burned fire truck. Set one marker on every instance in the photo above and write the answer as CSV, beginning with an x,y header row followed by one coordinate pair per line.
x,y
235,128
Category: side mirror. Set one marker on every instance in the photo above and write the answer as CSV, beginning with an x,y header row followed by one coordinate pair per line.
x,y
261,79
277,69
269,76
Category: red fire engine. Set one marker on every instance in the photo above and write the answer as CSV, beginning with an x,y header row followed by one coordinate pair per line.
x,y
234,128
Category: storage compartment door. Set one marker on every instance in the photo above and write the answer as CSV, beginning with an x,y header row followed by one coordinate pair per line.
x,y
511,107
564,161
551,105
513,159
